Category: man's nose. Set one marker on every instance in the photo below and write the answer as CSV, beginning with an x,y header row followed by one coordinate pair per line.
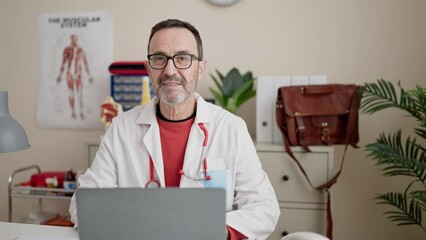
x,y
170,67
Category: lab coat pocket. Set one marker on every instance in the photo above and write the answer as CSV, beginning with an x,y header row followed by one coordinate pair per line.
x,y
218,179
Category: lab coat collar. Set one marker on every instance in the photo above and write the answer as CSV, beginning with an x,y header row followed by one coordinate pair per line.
x,y
148,114
203,112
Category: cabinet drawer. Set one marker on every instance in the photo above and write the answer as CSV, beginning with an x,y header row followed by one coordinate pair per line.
x,y
289,183
296,220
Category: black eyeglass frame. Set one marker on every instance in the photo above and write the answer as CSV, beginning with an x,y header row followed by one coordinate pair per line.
x,y
173,60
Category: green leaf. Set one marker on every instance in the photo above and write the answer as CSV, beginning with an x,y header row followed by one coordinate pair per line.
x,y
232,82
246,96
398,159
247,76
218,85
382,95
244,93
219,97
420,197
221,76
408,212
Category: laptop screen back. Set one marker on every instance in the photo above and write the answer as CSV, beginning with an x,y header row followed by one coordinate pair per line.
x,y
143,213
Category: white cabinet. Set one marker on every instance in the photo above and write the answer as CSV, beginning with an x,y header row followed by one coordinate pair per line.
x,y
302,208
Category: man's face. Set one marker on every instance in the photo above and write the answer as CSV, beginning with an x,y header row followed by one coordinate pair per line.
x,y
171,85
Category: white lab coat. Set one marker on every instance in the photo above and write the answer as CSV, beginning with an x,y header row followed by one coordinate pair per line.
x,y
123,161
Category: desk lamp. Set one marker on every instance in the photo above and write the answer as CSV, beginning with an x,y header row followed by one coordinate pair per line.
x,y
12,134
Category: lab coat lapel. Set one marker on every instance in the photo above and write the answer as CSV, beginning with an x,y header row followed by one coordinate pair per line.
x,y
152,140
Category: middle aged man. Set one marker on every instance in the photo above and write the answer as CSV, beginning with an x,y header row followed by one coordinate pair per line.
x,y
161,144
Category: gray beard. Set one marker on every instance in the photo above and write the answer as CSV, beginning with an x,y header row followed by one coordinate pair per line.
x,y
180,98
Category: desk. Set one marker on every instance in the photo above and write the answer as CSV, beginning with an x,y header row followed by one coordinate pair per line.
x,y
11,231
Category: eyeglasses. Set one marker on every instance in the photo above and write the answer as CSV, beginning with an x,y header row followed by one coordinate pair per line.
x,y
181,61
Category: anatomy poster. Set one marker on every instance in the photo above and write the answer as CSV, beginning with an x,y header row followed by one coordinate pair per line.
x,y
74,53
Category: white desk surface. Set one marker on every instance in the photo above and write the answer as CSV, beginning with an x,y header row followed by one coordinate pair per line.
x,y
11,231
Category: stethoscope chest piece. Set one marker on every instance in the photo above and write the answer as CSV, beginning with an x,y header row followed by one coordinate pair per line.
x,y
152,184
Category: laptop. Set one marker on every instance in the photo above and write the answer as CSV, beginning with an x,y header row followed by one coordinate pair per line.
x,y
145,213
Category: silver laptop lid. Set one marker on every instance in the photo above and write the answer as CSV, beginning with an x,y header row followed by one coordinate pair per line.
x,y
142,213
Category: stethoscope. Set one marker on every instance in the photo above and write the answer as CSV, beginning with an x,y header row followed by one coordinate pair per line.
x,y
152,183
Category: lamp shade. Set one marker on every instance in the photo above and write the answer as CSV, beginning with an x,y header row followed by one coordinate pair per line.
x,y
12,134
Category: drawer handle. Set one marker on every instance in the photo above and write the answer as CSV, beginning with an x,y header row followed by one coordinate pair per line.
x,y
285,233
286,178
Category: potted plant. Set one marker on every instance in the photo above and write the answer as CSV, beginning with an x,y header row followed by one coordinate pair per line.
x,y
234,89
398,155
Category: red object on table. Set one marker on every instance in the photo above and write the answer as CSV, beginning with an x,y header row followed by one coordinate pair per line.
x,y
63,221
39,179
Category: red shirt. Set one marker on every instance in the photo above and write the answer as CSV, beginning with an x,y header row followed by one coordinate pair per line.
x,y
174,137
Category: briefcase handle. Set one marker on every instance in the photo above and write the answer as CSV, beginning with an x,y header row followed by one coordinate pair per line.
x,y
317,89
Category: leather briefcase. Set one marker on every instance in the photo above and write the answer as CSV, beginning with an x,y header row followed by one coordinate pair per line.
x,y
318,114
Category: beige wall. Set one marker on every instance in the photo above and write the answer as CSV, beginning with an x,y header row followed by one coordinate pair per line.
x,y
349,41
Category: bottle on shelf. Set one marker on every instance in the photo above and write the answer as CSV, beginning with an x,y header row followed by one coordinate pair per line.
x,y
146,95
69,181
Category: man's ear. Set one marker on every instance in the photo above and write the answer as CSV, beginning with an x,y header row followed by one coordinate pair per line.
x,y
146,64
201,69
